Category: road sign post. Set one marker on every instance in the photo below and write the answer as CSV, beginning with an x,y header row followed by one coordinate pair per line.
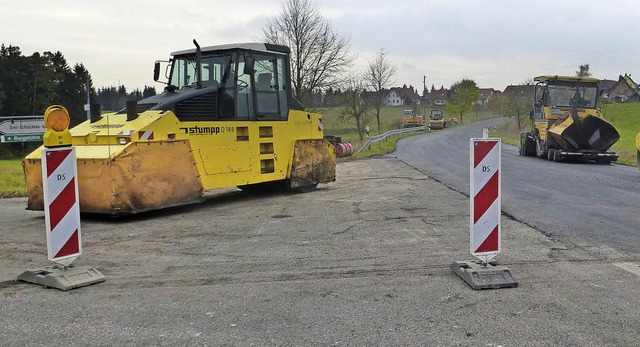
x,y
484,214
22,125
21,129
20,138
62,209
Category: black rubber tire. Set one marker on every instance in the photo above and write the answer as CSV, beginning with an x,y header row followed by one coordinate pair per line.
x,y
522,150
530,146
305,189
638,160
603,161
262,188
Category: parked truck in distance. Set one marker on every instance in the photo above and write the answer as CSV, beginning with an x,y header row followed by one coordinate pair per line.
x,y
411,119
567,123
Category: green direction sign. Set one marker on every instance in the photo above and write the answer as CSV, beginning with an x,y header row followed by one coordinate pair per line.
x,y
21,138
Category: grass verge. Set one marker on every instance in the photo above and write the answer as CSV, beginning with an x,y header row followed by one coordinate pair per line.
x,y
12,183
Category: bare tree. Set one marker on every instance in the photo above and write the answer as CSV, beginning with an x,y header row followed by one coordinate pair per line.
x,y
379,76
353,105
319,54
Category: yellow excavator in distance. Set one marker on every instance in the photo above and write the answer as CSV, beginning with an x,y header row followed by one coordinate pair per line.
x,y
226,118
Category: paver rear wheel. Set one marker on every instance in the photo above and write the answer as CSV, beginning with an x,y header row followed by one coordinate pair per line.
x,y
638,160
527,145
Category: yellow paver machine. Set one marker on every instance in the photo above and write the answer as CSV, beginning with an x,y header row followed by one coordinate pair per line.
x,y
567,123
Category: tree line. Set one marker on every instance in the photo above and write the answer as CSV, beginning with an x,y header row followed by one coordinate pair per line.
x,y
30,84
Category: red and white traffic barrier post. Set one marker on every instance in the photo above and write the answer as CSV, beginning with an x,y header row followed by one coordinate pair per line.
x,y
485,210
61,209
61,204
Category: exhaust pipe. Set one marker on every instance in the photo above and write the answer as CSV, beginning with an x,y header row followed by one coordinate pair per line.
x,y
94,113
132,110
198,65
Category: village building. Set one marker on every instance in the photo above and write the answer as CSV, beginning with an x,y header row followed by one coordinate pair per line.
x,y
625,90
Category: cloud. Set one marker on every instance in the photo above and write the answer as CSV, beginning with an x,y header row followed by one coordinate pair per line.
x,y
497,42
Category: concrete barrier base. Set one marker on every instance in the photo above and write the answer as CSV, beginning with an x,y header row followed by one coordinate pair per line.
x,y
62,277
481,275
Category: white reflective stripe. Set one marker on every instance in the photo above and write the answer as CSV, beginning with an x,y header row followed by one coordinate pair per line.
x,y
486,224
146,135
595,137
63,231
480,178
54,185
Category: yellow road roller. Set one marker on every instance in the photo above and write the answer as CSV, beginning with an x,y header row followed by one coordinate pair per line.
x,y
225,118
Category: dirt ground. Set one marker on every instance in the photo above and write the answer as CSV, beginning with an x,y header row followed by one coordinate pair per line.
x,y
361,261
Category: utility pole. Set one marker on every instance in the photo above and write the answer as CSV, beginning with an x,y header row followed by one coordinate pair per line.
x,y
424,98
35,87
424,84
87,107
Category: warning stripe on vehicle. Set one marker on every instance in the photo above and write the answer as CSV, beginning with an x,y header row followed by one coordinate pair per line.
x,y
145,135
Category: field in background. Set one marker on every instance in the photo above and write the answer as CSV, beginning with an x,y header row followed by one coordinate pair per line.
x,y
625,117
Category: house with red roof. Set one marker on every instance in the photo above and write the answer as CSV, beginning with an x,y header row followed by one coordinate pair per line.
x,y
438,97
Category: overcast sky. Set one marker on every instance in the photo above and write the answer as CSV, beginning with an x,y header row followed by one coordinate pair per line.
x,y
496,43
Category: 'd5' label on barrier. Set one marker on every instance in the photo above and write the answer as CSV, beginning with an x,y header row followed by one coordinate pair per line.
x,y
485,205
61,204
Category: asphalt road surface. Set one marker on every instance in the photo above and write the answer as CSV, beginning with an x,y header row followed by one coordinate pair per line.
x,y
585,204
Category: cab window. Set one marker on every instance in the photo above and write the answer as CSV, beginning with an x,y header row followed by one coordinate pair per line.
x,y
267,88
